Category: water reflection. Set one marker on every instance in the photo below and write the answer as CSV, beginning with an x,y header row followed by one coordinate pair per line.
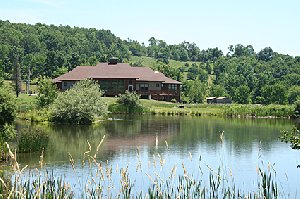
x,y
182,134
245,142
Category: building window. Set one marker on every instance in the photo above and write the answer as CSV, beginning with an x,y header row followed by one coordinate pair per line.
x,y
172,87
112,86
65,84
105,85
157,85
144,87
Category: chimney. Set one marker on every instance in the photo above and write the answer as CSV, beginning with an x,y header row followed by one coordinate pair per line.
x,y
112,61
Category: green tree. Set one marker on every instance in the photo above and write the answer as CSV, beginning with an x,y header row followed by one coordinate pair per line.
x,y
293,94
60,71
274,94
7,133
47,92
217,91
242,95
1,78
196,91
297,109
81,104
7,106
265,54
130,100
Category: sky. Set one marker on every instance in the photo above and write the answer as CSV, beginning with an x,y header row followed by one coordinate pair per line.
x,y
208,23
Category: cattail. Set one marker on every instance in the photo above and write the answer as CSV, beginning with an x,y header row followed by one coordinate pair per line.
x,y
98,147
41,159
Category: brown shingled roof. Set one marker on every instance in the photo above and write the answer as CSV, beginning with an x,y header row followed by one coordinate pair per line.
x,y
114,71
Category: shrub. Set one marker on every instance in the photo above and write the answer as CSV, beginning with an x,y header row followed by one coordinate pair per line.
x,y
47,92
32,140
7,106
82,104
7,133
291,137
297,109
130,100
294,94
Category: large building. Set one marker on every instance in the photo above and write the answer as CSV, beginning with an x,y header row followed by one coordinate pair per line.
x,y
115,78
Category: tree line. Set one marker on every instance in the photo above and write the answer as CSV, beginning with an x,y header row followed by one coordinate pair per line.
x,y
48,50
242,74
265,77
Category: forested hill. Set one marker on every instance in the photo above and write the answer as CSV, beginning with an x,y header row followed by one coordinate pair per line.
x,y
241,73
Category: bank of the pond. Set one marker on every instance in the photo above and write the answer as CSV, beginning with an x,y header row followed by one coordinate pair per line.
x,y
27,110
229,110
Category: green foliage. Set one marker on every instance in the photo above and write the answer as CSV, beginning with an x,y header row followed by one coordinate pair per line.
x,y
7,133
26,103
242,95
37,115
276,94
238,110
45,185
121,109
81,104
293,94
196,91
47,92
297,109
32,140
1,81
7,106
60,71
292,137
49,49
53,50
217,91
130,100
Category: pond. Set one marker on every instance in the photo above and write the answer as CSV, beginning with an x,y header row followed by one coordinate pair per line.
x,y
197,145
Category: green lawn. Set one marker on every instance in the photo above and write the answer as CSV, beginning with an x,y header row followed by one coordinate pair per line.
x,y
9,83
27,109
26,103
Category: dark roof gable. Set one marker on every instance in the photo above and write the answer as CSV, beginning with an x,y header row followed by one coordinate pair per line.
x,y
114,71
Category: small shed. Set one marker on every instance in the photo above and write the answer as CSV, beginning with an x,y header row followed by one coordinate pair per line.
x,y
223,100
211,100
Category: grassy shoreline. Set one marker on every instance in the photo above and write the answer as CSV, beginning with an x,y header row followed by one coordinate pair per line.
x,y
28,110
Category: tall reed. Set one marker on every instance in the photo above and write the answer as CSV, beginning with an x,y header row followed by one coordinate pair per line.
x,y
106,181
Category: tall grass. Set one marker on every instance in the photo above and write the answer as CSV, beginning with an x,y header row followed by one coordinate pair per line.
x,y
232,110
32,140
104,181
259,110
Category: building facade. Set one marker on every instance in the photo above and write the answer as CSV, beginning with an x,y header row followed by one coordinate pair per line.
x,y
115,78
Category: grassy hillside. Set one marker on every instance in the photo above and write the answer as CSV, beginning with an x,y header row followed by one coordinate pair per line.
x,y
149,61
